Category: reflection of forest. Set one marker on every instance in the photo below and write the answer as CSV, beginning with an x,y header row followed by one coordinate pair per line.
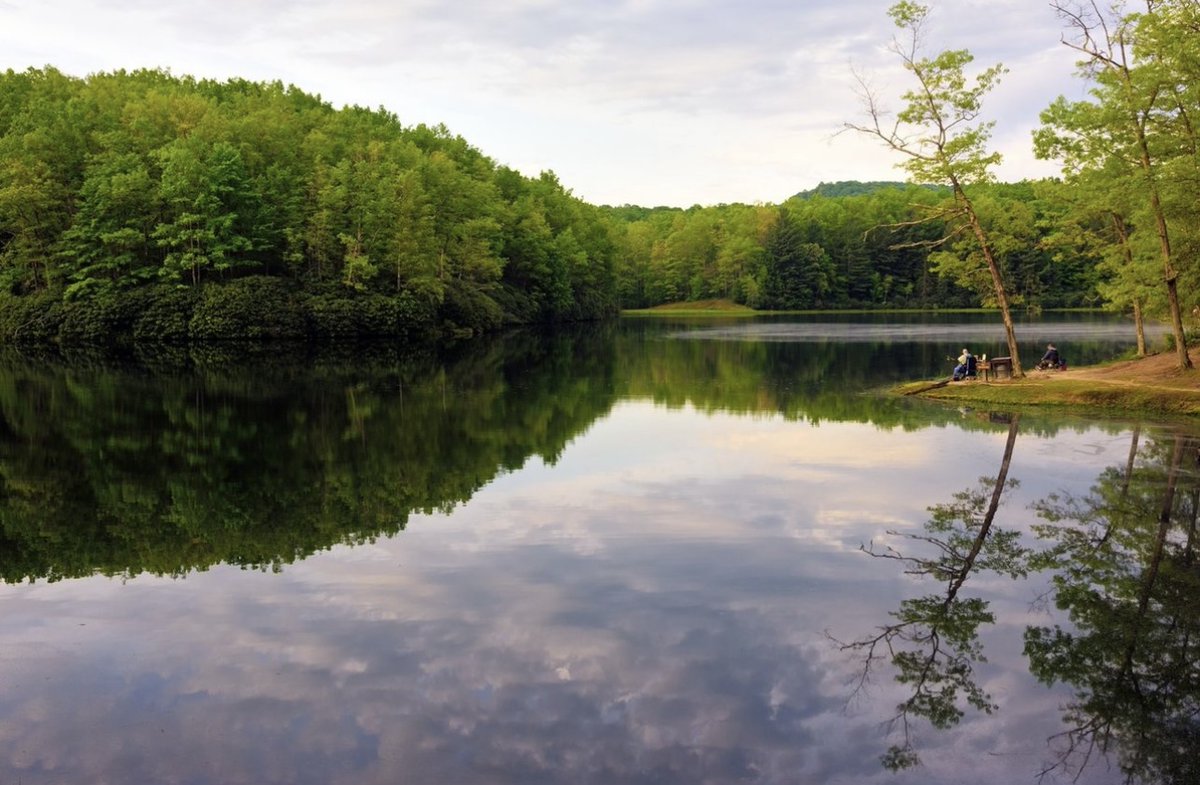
x,y
814,381
933,640
222,454
121,473
1128,577
1124,569
214,457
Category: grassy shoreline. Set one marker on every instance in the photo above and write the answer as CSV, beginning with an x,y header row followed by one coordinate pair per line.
x,y
1147,385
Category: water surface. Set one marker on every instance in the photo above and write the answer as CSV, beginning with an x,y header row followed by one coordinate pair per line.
x,y
632,553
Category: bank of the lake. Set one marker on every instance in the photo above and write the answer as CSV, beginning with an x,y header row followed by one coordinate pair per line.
x,y
1147,385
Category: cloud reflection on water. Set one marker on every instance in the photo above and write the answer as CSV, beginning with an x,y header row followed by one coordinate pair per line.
x,y
656,620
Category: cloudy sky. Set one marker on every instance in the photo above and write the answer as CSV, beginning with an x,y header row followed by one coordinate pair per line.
x,y
650,102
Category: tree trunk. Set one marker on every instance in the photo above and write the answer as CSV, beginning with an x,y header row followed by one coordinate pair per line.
x,y
1127,252
1164,246
1139,327
1001,478
997,282
1169,275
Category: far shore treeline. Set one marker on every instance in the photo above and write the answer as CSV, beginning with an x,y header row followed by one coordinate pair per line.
x,y
147,206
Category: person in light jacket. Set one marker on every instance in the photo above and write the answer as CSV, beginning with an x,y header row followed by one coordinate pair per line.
x,y
965,367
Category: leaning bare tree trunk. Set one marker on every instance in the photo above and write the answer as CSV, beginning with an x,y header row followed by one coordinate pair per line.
x,y
1001,479
997,281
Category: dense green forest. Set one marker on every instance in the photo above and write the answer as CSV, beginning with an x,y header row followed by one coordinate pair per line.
x,y
147,206
851,245
170,208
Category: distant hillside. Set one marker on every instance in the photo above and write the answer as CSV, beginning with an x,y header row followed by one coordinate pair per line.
x,y
850,188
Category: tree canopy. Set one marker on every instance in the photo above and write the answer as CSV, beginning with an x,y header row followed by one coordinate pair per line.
x,y
151,206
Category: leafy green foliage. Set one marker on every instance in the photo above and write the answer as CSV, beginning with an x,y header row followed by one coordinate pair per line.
x,y
262,463
121,181
941,140
1132,146
251,308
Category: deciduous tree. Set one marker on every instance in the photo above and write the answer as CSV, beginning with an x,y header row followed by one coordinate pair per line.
x,y
941,138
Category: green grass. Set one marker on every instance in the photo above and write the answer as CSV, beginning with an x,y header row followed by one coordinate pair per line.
x,y
1084,395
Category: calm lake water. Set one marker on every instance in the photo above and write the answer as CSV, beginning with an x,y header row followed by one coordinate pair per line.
x,y
649,552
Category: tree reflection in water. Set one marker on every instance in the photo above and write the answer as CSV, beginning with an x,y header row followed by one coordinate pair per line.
x,y
1124,569
934,641
1127,576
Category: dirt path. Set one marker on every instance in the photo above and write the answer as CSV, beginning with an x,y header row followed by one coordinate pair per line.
x,y
1154,372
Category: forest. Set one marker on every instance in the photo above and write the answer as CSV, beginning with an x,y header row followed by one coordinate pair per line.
x,y
167,208
147,206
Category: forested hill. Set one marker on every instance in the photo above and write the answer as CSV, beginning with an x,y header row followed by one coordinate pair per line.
x,y
882,247
170,207
848,188
150,206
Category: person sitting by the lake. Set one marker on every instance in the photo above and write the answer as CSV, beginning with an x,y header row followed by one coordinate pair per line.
x,y
1051,359
965,367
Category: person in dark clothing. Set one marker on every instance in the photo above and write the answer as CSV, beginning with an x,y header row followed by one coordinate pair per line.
x,y
1051,359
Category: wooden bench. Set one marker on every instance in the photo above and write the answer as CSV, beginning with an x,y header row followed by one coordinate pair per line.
x,y
991,368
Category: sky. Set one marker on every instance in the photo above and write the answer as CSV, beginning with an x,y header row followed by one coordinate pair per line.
x,y
649,102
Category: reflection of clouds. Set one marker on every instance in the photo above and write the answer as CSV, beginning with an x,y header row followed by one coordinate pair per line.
x,y
647,615
834,445
667,688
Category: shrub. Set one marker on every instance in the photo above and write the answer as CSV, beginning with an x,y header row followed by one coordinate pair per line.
x,y
345,315
417,312
166,315
249,308
466,309
31,318
102,320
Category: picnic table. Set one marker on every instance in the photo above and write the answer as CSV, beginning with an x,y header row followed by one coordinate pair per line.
x,y
990,369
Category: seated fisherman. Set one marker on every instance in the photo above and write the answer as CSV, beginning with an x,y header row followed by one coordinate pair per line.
x,y
965,367
1051,359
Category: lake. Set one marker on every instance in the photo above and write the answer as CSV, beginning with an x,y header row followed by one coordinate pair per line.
x,y
655,551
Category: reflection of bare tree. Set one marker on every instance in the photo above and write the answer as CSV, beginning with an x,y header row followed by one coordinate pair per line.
x,y
1126,566
934,641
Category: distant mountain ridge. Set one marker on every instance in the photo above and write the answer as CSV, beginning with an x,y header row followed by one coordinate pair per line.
x,y
853,188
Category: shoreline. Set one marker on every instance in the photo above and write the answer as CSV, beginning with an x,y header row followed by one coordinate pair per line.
x,y
1145,385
